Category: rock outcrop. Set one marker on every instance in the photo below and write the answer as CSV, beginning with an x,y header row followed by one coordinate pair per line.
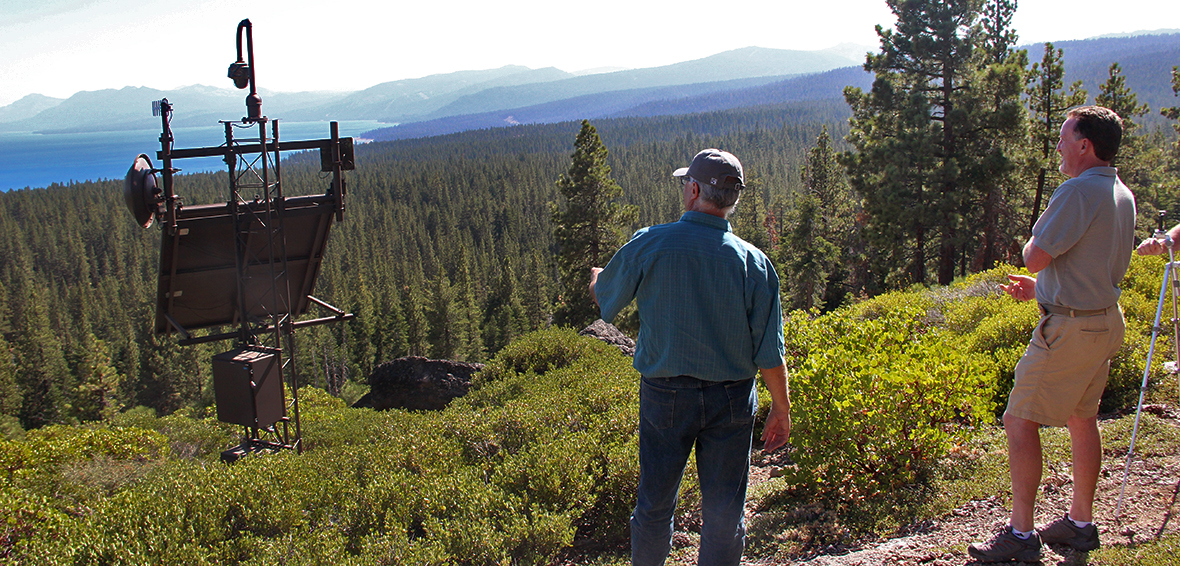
x,y
607,332
417,383
423,384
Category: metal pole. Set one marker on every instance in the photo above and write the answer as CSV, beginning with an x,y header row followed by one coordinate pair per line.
x,y
1155,331
1175,324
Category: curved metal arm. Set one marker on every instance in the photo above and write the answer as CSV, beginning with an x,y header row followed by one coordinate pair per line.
x,y
242,72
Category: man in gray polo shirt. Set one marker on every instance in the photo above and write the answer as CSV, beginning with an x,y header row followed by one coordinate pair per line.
x,y
1080,248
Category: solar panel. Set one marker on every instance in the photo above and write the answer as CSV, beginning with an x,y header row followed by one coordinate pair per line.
x,y
198,284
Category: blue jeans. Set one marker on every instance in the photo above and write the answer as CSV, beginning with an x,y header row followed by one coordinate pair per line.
x,y
677,414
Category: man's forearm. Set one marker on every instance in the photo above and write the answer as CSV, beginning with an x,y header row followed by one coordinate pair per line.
x,y
778,386
594,271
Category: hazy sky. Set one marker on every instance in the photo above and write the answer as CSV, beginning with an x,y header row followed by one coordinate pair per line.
x,y
60,47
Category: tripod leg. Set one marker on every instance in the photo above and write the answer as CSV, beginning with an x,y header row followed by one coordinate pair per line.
x,y
1155,331
1175,324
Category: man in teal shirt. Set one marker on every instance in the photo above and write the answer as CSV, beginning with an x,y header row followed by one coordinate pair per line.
x,y
710,319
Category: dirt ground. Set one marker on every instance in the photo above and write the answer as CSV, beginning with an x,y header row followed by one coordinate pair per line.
x,y
1148,508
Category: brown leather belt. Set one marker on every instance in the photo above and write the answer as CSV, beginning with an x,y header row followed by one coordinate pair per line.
x,y
1072,313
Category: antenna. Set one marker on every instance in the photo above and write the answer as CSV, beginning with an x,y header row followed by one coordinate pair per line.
x,y
244,269
141,192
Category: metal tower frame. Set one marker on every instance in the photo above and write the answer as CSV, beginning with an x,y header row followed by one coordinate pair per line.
x,y
255,221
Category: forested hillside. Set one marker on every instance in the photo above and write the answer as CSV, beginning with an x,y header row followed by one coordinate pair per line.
x,y
1151,56
449,232
447,249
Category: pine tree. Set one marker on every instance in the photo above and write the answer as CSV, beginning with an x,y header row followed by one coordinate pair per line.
x,y
443,318
413,303
807,257
1047,105
1135,168
1117,96
1173,113
747,219
504,316
41,368
992,181
935,105
96,396
536,293
362,331
816,246
10,394
590,228
891,132
824,178
470,342
171,376
390,334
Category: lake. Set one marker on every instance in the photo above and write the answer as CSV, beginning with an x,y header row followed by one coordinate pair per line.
x,y
29,159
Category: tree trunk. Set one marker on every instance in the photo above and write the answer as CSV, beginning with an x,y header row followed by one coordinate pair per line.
x,y
1036,211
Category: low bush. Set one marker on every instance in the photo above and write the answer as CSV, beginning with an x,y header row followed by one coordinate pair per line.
x,y
991,323
878,401
539,455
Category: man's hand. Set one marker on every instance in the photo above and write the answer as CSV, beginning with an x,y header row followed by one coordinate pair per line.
x,y
778,422
1022,287
1157,246
594,271
1152,246
777,429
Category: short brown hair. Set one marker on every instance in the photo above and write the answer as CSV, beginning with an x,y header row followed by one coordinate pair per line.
x,y
1101,126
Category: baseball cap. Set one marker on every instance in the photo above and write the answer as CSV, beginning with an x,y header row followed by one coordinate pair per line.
x,y
715,167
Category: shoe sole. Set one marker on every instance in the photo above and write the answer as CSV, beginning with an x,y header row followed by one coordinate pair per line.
x,y
1027,556
1077,547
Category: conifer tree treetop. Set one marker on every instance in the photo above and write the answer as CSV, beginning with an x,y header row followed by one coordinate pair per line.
x,y
589,228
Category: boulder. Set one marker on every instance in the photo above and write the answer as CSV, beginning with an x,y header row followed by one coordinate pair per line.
x,y
607,332
417,383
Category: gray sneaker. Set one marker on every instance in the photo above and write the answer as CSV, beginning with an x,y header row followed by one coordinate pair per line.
x,y
1063,531
1006,547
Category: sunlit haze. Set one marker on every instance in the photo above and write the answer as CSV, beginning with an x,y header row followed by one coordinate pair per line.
x,y
60,47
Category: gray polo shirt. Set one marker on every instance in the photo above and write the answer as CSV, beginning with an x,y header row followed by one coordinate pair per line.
x,y
1089,229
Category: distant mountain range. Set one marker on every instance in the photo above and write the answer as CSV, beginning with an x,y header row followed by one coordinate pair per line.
x,y
657,101
465,100
1146,62
413,100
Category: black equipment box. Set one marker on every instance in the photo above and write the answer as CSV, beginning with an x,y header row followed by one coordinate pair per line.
x,y
249,387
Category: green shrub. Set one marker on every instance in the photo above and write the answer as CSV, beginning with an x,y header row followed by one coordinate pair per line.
x,y
876,402
539,455
993,324
188,437
10,428
541,351
44,450
556,420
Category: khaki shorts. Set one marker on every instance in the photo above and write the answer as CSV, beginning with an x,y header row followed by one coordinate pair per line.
x,y
1063,372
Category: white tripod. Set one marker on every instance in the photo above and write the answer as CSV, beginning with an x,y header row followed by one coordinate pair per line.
x,y
1156,329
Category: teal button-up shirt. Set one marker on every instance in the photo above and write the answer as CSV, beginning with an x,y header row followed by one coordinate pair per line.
x,y
708,301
